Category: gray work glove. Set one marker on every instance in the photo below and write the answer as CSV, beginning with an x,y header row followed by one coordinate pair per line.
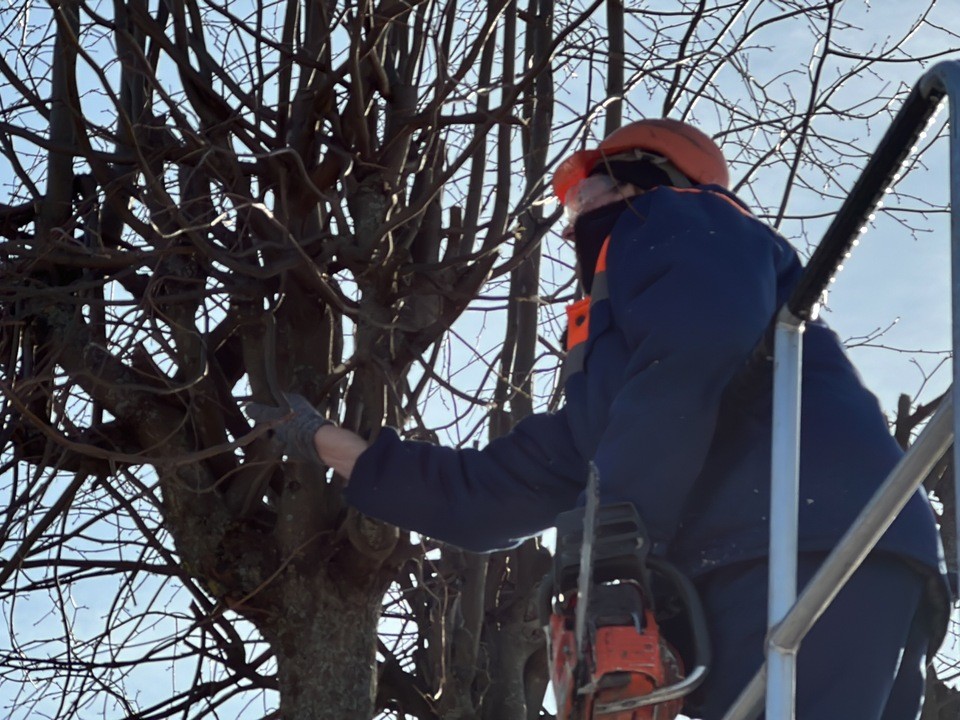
x,y
293,429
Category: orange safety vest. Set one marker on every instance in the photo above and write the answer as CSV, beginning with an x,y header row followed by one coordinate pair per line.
x,y
578,313
578,316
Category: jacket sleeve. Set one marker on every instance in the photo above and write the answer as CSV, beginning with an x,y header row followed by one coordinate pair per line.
x,y
691,290
479,500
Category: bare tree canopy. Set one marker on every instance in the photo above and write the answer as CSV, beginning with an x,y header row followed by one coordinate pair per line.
x,y
208,202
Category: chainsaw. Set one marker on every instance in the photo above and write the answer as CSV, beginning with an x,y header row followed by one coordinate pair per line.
x,y
608,659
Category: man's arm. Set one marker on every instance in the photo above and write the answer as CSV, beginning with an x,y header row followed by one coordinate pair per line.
x,y
479,500
339,448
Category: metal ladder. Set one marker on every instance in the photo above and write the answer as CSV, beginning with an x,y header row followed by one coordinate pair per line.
x,y
790,618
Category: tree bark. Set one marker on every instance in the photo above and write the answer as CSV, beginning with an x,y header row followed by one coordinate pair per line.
x,y
325,643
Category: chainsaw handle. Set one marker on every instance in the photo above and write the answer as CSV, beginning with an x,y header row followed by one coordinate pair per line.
x,y
702,651
662,695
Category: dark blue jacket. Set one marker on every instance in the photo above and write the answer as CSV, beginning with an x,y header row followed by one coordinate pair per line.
x,y
693,280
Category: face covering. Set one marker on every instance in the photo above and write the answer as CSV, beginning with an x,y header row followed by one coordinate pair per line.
x,y
590,230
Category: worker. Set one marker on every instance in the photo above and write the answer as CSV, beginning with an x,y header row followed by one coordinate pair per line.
x,y
683,281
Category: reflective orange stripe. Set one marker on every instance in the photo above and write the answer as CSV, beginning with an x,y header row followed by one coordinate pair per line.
x,y
578,322
602,260
715,194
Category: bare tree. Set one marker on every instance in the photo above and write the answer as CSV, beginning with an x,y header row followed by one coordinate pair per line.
x,y
208,202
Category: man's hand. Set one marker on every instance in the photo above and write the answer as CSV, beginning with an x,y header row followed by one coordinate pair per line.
x,y
293,428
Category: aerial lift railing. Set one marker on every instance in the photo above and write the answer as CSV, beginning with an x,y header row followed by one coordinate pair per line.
x,y
791,618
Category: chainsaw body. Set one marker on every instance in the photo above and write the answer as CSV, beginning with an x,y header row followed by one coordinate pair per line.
x,y
622,665
625,669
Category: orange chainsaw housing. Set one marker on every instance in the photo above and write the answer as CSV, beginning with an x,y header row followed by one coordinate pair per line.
x,y
624,664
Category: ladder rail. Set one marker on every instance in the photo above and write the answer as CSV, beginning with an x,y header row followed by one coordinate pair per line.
x,y
784,505
787,628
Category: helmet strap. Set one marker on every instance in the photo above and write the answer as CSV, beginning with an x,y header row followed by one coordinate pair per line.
x,y
643,169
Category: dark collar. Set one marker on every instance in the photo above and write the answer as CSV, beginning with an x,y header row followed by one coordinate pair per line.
x,y
590,231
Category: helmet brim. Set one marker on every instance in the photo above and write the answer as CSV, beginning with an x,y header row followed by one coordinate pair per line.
x,y
573,170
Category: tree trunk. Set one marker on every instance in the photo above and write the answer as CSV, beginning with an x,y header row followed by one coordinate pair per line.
x,y
325,640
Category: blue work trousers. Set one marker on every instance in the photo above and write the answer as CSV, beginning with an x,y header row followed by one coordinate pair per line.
x,y
865,659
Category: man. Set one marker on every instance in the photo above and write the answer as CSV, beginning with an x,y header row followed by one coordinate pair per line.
x,y
683,281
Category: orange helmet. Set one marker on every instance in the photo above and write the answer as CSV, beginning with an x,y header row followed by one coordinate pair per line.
x,y
691,151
